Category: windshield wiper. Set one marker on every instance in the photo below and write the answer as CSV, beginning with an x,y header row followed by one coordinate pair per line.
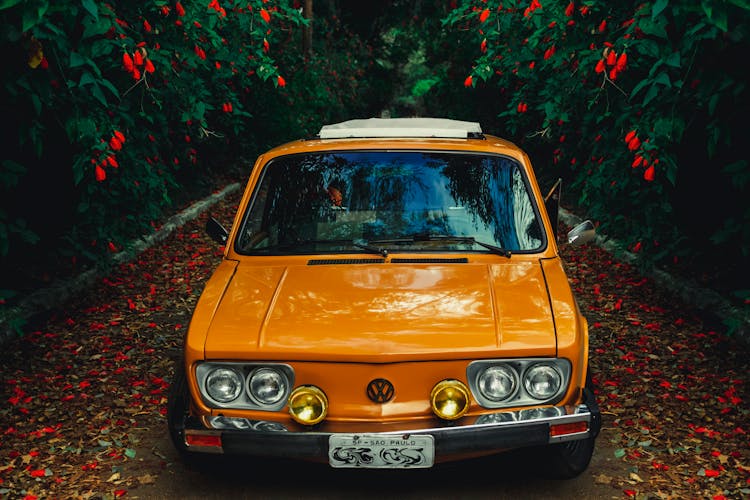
x,y
414,238
372,249
301,243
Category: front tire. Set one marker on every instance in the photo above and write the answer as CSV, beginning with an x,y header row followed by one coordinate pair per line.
x,y
569,459
178,406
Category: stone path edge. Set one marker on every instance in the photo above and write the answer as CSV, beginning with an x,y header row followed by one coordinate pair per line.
x,y
707,300
44,300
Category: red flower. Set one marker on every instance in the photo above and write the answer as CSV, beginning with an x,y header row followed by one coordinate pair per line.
x,y
149,67
99,173
621,61
638,160
138,58
613,74
127,62
603,26
146,26
280,80
200,52
227,107
112,161
611,58
522,107
483,46
180,9
570,9
549,52
44,64
266,46
136,74
265,15
634,144
600,67
484,15
115,144
649,173
629,136
469,81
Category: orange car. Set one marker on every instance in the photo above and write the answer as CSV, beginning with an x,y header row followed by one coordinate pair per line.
x,y
391,296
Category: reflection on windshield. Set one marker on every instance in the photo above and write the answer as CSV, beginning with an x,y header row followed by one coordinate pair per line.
x,y
325,201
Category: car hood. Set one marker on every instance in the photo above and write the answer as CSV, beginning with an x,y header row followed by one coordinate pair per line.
x,y
383,312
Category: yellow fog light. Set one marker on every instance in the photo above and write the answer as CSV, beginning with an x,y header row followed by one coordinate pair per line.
x,y
308,405
450,399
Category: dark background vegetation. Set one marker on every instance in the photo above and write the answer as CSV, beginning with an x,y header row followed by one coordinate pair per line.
x,y
287,67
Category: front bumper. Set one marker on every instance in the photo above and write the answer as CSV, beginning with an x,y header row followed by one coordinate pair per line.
x,y
470,436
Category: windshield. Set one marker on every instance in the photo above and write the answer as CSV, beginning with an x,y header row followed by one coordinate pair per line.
x,y
334,201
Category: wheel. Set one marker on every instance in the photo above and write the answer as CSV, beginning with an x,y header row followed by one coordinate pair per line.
x,y
178,403
178,411
569,459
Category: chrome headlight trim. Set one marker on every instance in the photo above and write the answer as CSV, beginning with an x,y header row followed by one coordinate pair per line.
x,y
244,400
521,366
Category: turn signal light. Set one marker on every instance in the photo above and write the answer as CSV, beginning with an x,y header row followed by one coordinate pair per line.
x,y
450,399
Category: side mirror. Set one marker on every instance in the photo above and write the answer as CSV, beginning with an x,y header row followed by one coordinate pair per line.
x,y
582,233
216,231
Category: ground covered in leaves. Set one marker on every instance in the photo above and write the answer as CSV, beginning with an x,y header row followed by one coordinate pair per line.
x,y
81,391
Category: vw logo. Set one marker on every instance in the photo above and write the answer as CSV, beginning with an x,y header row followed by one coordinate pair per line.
x,y
380,390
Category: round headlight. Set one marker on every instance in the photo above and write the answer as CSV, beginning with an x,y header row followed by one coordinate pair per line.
x,y
498,383
308,405
450,399
266,386
542,381
224,385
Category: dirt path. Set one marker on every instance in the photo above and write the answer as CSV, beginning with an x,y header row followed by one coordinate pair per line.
x,y
84,397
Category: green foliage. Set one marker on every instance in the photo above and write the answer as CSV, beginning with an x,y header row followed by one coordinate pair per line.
x,y
115,110
621,97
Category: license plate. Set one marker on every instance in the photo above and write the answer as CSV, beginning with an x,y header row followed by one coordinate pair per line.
x,y
379,451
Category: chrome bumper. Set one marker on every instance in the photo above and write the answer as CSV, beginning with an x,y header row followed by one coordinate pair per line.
x,y
487,433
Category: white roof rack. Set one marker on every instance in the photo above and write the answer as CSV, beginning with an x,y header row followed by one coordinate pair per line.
x,y
400,127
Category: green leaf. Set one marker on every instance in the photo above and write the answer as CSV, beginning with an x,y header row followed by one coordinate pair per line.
x,y
658,8
619,452
639,87
86,79
31,16
130,453
37,103
92,8
76,60
106,83
96,91
712,103
7,4
653,91
93,28
663,79
673,59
